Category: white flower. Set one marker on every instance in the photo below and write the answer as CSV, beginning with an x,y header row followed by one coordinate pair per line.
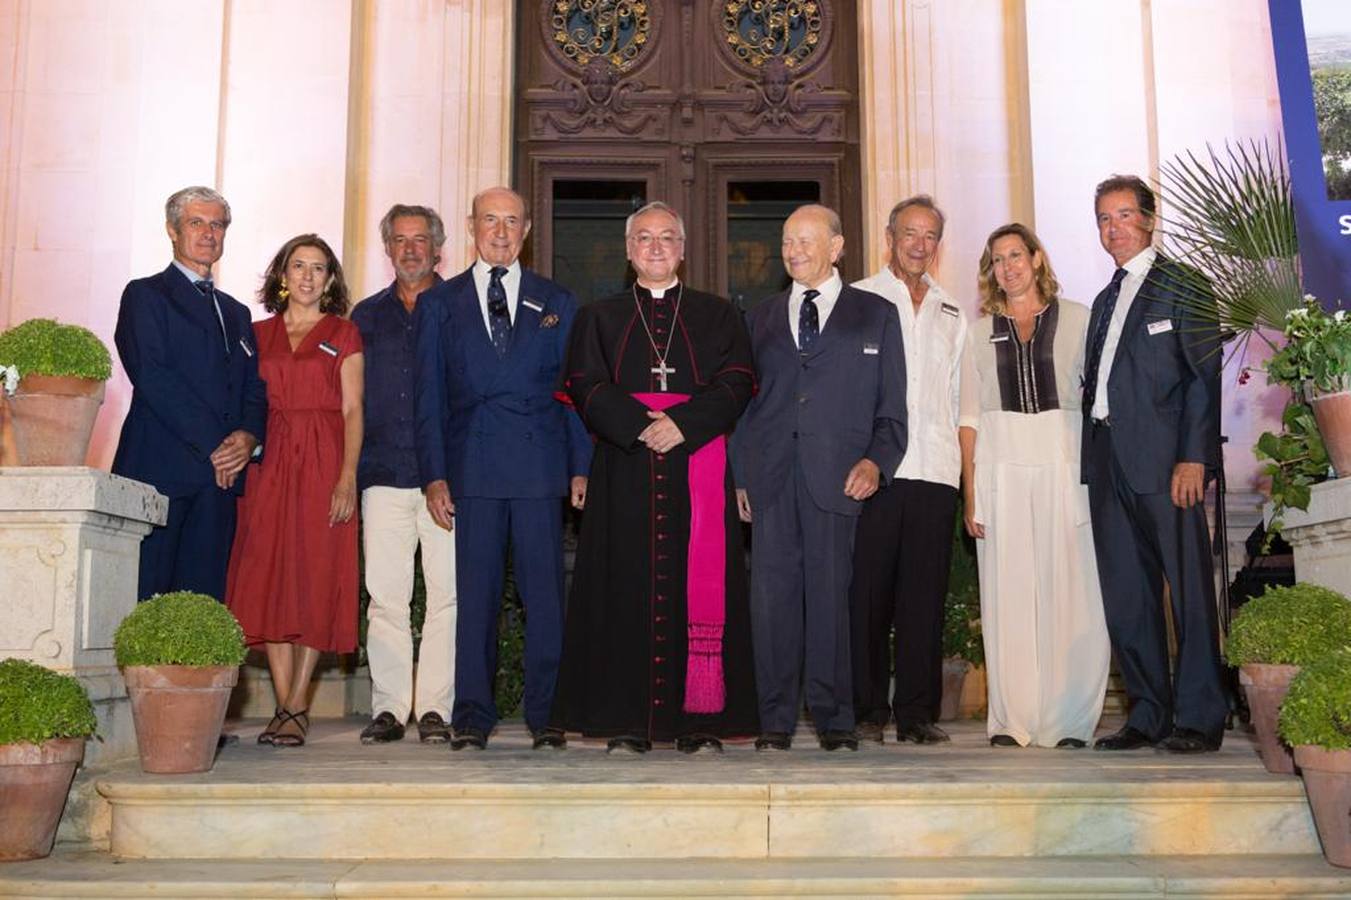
x,y
1339,316
1310,298
11,376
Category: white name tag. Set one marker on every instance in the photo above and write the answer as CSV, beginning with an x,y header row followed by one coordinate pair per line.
x,y
328,348
537,307
1160,326
949,309
996,338
245,344
871,349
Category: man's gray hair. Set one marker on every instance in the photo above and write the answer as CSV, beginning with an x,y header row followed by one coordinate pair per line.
x,y
923,201
173,207
833,223
655,206
404,210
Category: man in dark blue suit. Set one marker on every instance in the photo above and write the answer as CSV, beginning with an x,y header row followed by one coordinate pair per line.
x,y
1150,443
826,428
496,452
198,408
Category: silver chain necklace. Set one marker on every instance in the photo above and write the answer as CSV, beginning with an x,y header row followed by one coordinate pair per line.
x,y
661,370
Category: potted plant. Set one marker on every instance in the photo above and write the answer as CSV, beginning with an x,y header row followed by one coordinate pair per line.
x,y
963,646
45,718
1316,721
61,371
180,655
1271,637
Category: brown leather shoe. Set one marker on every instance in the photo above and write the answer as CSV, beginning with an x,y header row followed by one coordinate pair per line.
x,y
382,729
432,729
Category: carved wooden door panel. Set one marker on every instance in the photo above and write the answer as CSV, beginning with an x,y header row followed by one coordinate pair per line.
x,y
733,111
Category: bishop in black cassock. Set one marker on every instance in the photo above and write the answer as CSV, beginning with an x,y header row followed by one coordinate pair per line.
x,y
657,642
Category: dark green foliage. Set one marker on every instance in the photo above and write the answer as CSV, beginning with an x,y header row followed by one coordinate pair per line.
x,y
1332,106
179,629
46,347
1292,626
961,619
1297,460
1317,710
37,704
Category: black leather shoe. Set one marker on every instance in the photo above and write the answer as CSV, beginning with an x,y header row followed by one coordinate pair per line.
x,y
383,729
1189,740
627,744
773,740
839,740
469,739
548,739
921,733
1004,740
1070,744
871,732
1127,738
431,729
698,743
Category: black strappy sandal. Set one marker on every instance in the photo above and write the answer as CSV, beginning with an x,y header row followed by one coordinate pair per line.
x,y
268,733
292,740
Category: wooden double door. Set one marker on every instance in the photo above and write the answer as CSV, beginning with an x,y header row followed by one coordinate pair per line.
x,y
732,111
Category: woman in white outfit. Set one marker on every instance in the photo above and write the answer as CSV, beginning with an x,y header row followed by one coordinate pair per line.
x,y
1046,647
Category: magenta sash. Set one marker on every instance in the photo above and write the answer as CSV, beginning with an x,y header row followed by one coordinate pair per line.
x,y
706,573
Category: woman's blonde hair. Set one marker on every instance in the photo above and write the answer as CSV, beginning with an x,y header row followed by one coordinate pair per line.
x,y
992,299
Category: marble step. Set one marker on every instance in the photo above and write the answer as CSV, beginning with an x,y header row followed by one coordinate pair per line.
x,y
97,875
337,800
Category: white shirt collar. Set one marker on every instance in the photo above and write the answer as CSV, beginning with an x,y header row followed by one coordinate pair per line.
x,y
658,293
485,269
828,290
1140,264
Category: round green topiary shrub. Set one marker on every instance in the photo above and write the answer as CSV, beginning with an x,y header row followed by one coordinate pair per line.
x,y
1317,710
179,629
37,704
1290,626
46,347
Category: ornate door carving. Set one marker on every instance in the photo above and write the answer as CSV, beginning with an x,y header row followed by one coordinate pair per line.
x,y
731,110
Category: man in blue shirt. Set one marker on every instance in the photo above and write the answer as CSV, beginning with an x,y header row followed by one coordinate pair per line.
x,y
394,516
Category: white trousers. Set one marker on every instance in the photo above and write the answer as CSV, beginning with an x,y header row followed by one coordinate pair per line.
x,y
1046,646
393,521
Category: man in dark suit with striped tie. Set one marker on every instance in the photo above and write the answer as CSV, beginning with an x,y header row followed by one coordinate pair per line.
x,y
826,428
1150,443
198,408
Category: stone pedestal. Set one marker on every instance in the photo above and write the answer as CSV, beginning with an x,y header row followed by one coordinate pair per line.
x,y
1321,536
70,541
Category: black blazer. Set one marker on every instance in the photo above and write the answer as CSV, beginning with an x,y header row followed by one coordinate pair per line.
x,y
841,403
1163,392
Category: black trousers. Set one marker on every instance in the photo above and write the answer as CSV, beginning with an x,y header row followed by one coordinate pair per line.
x,y
1140,540
902,552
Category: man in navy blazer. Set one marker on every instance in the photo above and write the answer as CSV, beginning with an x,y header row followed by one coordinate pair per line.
x,y
826,428
1150,443
198,408
496,452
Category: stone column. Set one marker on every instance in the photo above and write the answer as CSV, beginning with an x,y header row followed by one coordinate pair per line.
x,y
70,540
1321,536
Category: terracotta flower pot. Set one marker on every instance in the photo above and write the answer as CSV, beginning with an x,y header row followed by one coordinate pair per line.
x,y
1265,686
53,418
954,676
1327,781
1333,414
34,781
178,711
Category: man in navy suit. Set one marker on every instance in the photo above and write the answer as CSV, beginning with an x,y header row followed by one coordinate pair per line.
x,y
198,408
1150,443
827,427
496,452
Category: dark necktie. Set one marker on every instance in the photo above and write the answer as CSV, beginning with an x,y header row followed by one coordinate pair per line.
x,y
209,290
499,320
808,321
1094,359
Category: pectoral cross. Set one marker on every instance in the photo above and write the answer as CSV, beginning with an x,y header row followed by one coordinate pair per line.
x,y
661,371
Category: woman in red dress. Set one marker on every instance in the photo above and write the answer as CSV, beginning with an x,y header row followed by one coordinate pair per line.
x,y
293,571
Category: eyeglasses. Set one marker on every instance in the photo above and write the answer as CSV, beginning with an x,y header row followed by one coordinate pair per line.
x,y
668,240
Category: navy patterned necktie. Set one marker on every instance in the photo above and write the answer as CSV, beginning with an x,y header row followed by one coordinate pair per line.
x,y
208,289
499,320
808,321
1094,359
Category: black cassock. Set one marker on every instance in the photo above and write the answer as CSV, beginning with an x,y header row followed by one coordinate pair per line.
x,y
625,645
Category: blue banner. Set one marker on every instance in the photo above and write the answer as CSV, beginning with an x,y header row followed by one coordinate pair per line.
x,y
1312,42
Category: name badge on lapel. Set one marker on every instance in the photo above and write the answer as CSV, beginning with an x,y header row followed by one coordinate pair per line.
x,y
1160,326
245,346
532,304
949,309
996,338
871,349
328,348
